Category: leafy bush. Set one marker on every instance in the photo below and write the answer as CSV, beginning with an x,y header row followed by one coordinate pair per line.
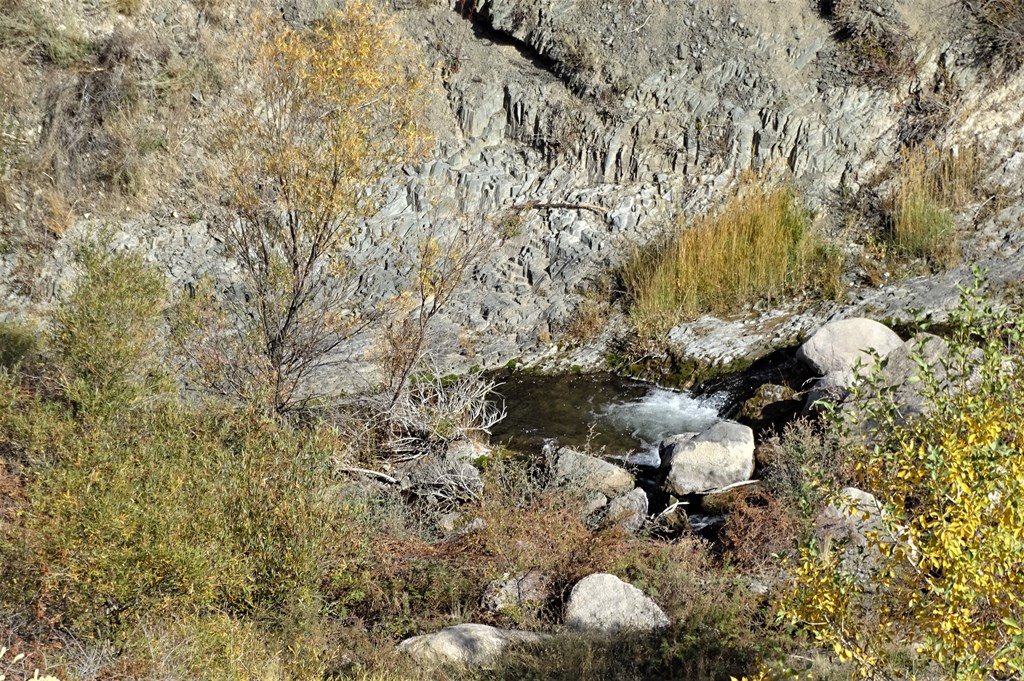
x,y
106,333
327,112
759,246
950,577
803,464
169,511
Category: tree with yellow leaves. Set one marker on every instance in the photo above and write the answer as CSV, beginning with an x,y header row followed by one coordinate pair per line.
x,y
947,593
324,113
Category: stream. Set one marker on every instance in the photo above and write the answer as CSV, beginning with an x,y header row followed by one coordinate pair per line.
x,y
602,413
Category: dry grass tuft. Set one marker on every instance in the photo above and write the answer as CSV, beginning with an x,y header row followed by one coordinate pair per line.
x,y
760,246
934,182
1000,26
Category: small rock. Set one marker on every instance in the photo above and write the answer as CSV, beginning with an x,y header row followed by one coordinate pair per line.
x,y
594,502
604,603
441,479
849,524
832,388
628,512
574,470
465,644
528,590
468,451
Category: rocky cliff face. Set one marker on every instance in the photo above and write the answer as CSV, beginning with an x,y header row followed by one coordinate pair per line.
x,y
586,127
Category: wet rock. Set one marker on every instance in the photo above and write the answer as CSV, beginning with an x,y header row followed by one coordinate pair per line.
x,y
841,345
465,644
720,456
771,404
573,470
604,603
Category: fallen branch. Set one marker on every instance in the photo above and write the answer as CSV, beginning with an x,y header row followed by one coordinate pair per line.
x,y
374,474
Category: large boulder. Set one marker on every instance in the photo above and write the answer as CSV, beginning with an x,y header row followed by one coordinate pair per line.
x,y
839,346
465,644
900,375
574,470
604,603
721,455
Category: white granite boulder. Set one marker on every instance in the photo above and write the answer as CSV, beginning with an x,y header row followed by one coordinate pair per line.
x,y
604,603
574,470
840,345
465,644
720,456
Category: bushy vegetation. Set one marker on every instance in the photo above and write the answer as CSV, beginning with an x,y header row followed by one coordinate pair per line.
x,y
1000,25
761,245
944,596
158,537
875,46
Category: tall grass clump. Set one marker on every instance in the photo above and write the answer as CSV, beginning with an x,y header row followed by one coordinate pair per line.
x,y
933,183
758,247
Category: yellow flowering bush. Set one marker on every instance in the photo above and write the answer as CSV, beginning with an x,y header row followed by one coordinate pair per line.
x,y
947,592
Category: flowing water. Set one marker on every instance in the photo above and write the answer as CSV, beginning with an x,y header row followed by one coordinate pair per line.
x,y
605,413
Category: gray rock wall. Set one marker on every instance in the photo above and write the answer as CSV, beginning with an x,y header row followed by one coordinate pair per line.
x,y
647,110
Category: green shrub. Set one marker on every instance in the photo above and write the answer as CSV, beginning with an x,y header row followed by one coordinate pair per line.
x,y
105,335
803,464
758,247
17,342
169,511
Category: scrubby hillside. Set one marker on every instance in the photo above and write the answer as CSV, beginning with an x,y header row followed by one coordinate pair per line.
x,y
256,258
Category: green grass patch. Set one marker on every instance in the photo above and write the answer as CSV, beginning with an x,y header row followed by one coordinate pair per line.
x,y
25,27
933,183
760,246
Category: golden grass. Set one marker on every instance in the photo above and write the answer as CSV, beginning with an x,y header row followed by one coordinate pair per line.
x,y
933,183
760,246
